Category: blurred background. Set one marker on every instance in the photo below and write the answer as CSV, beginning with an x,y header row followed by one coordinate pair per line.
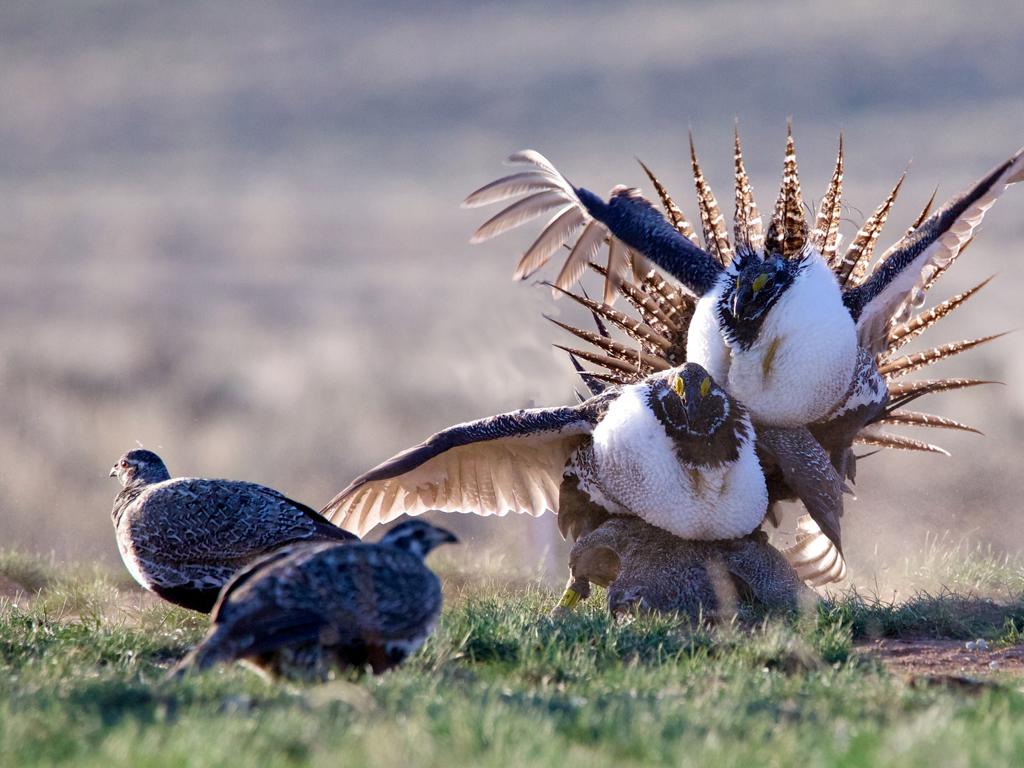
x,y
231,232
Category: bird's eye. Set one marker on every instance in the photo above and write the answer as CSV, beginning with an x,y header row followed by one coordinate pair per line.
x,y
760,281
705,387
124,464
677,386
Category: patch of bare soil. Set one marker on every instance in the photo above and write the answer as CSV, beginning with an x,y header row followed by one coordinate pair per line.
x,y
951,663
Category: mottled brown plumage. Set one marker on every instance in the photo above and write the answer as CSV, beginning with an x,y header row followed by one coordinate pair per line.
x,y
747,224
184,538
787,233
644,568
313,607
716,237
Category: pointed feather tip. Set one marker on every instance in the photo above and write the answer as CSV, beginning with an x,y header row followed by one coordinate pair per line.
x,y
1018,157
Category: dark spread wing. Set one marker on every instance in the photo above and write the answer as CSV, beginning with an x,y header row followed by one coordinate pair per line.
x,y
507,463
903,271
808,470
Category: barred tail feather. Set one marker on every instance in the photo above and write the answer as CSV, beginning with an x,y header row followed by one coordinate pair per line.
x,y
672,211
825,236
814,556
747,226
716,236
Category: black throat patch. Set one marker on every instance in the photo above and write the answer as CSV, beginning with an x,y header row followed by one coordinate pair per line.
x,y
743,331
722,446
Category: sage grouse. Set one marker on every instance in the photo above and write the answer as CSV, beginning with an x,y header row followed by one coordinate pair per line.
x,y
643,569
184,538
310,607
775,320
655,333
674,449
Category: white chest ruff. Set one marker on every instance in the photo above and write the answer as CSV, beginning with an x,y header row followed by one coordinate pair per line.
x,y
640,474
704,343
803,361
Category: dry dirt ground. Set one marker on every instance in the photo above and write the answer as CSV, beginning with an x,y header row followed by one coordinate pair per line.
x,y
929,661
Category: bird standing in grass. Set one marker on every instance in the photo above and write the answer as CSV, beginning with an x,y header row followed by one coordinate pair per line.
x,y
312,607
184,538
749,312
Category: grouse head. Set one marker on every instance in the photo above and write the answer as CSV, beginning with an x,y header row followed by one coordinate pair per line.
x,y
751,295
689,402
140,467
418,537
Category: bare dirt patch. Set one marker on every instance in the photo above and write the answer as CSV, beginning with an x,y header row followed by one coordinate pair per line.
x,y
943,661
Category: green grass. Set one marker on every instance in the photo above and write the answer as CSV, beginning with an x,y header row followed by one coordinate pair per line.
x,y
500,684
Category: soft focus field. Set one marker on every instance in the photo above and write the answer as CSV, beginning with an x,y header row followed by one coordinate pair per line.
x,y
231,231
82,661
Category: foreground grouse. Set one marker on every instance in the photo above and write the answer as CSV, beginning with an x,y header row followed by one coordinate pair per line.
x,y
310,608
184,538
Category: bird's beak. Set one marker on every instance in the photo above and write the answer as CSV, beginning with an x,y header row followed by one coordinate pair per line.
x,y
451,538
113,471
694,399
692,409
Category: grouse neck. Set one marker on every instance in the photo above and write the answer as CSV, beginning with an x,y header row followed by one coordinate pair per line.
x,y
125,498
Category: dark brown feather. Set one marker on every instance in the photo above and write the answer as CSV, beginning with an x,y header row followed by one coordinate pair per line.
x,y
747,227
910,363
854,265
716,236
614,348
897,442
787,233
825,236
916,419
915,326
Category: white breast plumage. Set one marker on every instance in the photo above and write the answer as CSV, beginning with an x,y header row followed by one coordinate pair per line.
x,y
803,360
640,474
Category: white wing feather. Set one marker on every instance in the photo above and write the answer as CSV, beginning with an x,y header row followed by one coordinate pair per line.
x,y
555,191
496,477
896,301
814,557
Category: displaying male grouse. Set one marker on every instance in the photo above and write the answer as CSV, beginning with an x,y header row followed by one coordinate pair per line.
x,y
655,337
772,323
673,449
311,607
184,538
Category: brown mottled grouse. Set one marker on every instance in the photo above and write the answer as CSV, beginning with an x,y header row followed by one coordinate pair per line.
x,y
311,607
184,538
645,569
